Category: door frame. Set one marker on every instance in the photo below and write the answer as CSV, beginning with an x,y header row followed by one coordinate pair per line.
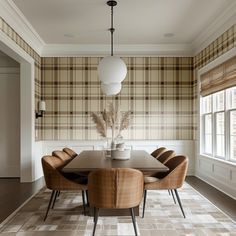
x,y
27,106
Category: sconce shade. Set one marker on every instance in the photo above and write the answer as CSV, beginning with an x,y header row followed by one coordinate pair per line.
x,y
42,106
111,89
112,69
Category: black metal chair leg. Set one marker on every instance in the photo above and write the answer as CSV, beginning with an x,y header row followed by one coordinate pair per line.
x,y
55,198
133,220
171,190
178,199
144,202
49,204
58,193
83,199
96,214
87,197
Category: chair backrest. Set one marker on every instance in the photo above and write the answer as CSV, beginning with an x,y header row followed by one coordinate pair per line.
x,y
166,156
158,152
70,152
54,179
115,188
50,165
62,155
178,167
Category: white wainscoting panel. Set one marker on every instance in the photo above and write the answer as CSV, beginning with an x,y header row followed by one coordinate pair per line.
x,y
221,175
181,147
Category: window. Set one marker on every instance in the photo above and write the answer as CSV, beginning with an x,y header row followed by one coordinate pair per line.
x,y
218,118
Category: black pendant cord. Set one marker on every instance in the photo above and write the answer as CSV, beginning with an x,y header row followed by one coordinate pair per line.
x,y
112,30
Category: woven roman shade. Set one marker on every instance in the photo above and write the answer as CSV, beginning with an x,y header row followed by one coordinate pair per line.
x,y
219,78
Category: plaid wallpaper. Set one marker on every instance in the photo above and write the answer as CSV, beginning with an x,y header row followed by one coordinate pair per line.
x,y
11,33
160,92
157,91
218,47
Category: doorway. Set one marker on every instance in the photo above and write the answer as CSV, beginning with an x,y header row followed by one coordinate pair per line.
x,y
9,117
27,109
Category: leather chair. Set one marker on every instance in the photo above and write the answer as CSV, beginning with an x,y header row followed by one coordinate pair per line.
x,y
115,189
158,152
56,182
62,155
173,179
70,152
166,156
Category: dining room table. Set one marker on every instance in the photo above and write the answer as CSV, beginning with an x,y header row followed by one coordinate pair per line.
x,y
92,160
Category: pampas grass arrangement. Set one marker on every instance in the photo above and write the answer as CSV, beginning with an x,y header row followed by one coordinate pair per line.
x,y
114,119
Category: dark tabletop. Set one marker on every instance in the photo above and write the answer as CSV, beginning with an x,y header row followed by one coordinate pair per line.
x,y
92,160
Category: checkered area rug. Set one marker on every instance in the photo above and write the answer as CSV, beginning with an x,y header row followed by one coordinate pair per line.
x,y
162,217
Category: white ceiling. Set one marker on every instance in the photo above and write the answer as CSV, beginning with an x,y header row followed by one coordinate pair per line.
x,y
135,21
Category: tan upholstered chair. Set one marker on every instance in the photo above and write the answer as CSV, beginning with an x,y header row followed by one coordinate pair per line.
x,y
172,180
56,181
166,156
70,152
116,189
158,152
62,155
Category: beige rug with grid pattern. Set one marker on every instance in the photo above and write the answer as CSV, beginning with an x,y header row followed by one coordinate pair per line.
x,y
162,217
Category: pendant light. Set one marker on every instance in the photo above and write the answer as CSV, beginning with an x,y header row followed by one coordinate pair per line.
x,y
111,69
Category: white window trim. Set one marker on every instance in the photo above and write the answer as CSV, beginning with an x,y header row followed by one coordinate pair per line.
x,y
199,149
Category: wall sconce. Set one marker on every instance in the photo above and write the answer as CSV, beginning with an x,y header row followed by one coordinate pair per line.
x,y
42,109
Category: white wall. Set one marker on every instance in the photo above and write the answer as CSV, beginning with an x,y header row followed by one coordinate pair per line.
x,y
9,117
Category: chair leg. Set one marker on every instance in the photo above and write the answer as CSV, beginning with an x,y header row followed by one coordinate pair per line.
x,y
54,200
178,199
83,198
96,214
144,202
171,190
58,193
133,220
87,197
49,204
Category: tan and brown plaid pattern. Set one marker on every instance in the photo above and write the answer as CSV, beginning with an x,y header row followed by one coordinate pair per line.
x,y
218,47
157,91
11,33
160,92
115,188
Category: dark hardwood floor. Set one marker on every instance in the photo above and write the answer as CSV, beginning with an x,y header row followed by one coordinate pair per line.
x,y
13,194
219,199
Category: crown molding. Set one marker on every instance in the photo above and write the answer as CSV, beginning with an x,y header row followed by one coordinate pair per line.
x,y
221,24
15,18
57,50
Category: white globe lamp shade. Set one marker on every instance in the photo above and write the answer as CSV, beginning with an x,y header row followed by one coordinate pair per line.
x,y
111,89
112,69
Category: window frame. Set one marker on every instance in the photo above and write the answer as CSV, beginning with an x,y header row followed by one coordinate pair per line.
x,y
204,134
227,123
229,139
